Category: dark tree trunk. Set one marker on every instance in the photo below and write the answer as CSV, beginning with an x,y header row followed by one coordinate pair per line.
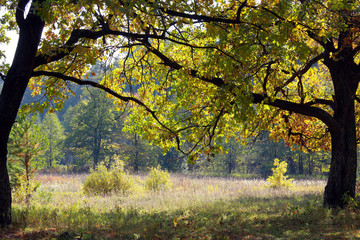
x,y
230,167
291,163
136,161
310,166
97,146
342,176
229,161
301,165
51,159
13,91
5,191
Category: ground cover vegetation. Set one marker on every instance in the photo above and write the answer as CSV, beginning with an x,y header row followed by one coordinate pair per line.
x,y
193,208
191,76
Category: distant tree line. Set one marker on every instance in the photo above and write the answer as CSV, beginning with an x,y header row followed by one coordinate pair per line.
x,y
90,131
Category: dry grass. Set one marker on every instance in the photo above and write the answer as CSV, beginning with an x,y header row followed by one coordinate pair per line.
x,y
195,208
65,191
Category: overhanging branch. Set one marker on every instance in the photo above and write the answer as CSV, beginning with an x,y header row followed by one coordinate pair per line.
x,y
111,92
321,101
301,108
78,34
304,109
93,84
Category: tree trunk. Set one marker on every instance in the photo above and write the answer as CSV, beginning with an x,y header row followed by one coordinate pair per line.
x,y
5,191
342,175
291,165
136,160
51,159
301,165
97,147
310,165
12,93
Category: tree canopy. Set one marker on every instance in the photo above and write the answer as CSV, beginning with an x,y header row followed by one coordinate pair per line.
x,y
200,67
198,71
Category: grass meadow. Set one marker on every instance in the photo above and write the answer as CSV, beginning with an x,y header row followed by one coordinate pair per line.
x,y
194,208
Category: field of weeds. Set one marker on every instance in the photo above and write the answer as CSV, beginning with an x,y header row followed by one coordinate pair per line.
x,y
194,208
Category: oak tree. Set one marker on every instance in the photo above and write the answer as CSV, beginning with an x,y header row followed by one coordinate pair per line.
x,y
198,70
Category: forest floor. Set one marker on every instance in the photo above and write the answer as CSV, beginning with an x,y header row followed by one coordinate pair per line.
x,y
194,208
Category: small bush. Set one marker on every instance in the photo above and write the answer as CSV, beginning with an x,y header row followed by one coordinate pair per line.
x,y
278,179
24,189
103,181
158,180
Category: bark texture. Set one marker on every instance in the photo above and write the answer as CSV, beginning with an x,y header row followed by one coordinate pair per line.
x,y
14,87
342,176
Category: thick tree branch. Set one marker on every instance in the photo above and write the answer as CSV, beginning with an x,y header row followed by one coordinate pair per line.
x,y
20,12
304,109
219,82
238,13
329,103
328,45
201,18
93,84
166,60
207,19
79,34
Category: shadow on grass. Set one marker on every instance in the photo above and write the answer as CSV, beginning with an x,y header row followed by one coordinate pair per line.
x,y
243,218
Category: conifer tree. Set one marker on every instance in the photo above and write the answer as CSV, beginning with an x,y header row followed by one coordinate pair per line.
x,y
54,132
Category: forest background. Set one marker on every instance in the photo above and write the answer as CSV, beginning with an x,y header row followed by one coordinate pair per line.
x,y
89,131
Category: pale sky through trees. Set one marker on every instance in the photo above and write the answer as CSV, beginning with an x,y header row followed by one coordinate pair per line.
x,y
11,47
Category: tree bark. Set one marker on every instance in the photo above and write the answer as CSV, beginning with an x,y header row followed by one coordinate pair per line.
x,y
291,165
97,146
13,91
342,175
301,164
136,154
310,166
5,191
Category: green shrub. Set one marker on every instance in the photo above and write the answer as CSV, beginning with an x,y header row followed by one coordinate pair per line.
x,y
278,179
103,181
24,189
158,180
